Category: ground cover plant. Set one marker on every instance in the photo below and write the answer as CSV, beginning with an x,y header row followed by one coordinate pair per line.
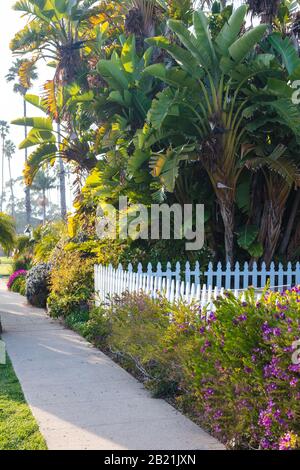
x,y
231,370
17,282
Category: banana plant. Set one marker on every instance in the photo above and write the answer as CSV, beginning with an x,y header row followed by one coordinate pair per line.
x,y
57,30
45,135
208,102
128,87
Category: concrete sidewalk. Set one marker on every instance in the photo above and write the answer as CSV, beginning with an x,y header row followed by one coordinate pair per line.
x,y
80,397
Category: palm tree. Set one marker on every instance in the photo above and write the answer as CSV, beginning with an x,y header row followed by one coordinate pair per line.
x,y
7,232
43,183
208,99
62,178
9,150
210,107
4,130
58,34
23,73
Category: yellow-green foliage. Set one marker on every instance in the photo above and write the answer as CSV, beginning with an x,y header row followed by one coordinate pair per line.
x,y
71,282
46,238
7,232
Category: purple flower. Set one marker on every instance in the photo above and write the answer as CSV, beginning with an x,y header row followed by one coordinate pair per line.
x,y
212,317
293,382
242,317
206,345
286,442
14,276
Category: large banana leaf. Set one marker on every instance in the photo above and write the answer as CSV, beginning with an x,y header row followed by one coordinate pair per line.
x,y
44,153
182,56
37,137
36,101
203,36
174,76
231,30
289,55
128,55
114,76
163,106
198,47
244,45
289,112
166,166
39,123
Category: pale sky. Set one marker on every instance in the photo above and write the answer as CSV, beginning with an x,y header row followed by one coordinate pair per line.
x,y
11,103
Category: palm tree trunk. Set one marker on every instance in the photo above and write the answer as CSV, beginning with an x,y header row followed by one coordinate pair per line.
x,y
294,244
290,225
272,221
226,204
44,207
62,181
11,189
27,188
2,174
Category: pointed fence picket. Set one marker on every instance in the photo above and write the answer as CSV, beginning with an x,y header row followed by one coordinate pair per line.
x,y
192,285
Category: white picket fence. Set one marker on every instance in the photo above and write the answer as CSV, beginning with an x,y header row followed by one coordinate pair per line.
x,y
110,282
191,285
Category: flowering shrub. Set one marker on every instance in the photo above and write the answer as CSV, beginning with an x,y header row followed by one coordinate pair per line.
x,y
37,285
231,369
15,276
237,367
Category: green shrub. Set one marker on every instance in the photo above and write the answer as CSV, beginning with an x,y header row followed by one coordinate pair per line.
x,y
47,237
231,370
133,329
71,283
77,321
237,368
22,262
37,285
19,286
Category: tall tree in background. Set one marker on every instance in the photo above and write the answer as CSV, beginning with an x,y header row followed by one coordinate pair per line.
x,y
4,130
57,31
9,150
43,182
7,232
23,73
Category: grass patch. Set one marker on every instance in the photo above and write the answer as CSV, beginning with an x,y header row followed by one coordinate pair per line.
x,y
18,428
5,266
